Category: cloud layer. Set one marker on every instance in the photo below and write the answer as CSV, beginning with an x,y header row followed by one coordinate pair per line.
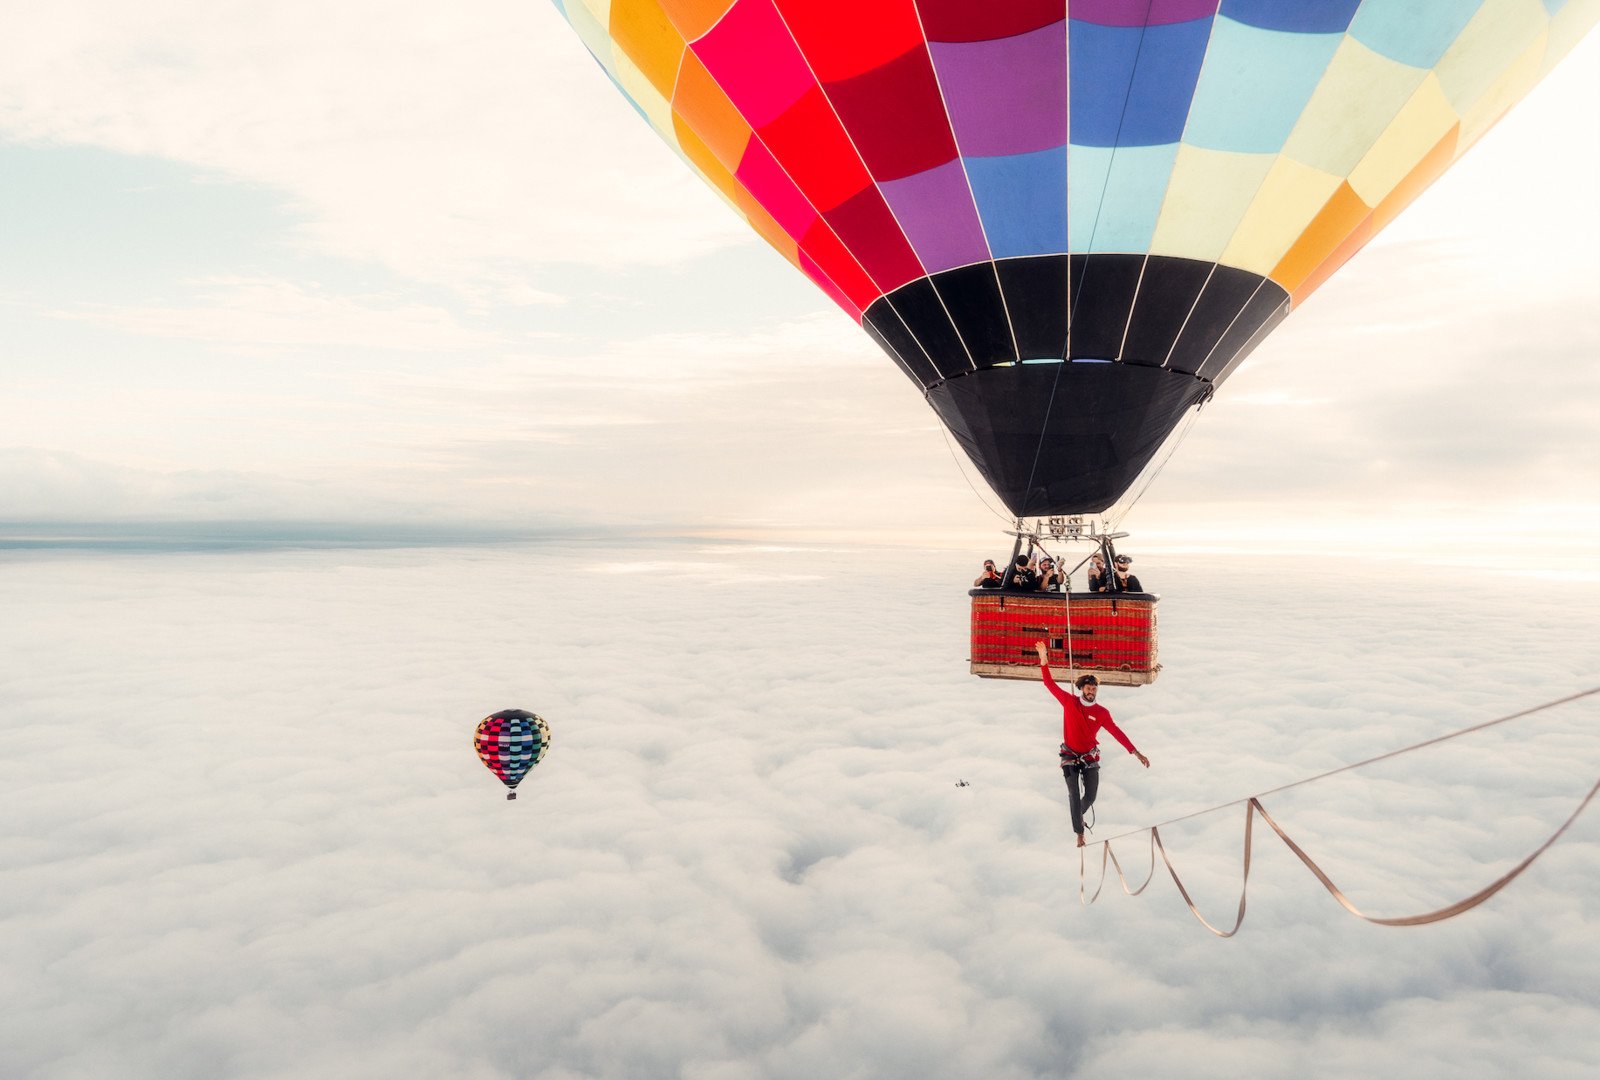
x,y
244,832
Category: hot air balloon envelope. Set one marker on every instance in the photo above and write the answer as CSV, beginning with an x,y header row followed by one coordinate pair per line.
x,y
510,743
1067,221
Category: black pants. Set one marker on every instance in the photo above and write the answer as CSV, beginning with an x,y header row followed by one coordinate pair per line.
x,y
1080,803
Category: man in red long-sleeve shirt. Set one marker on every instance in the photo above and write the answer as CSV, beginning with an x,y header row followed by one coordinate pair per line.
x,y
1081,724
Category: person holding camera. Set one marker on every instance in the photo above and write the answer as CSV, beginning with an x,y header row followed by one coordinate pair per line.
x,y
1097,573
1081,724
990,578
1050,576
1021,576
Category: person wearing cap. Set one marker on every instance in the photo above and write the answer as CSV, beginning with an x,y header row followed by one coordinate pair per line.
x,y
1020,576
1081,723
990,578
1122,579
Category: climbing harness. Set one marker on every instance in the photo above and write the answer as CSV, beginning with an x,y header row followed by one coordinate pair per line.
x,y
1088,759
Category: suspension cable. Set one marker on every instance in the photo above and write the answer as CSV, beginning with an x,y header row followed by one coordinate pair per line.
x,y
1044,429
1162,464
968,479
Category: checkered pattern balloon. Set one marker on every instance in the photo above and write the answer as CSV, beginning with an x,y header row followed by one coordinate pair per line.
x,y
510,743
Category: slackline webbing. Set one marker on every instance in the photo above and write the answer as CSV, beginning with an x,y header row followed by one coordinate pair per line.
x,y
1253,807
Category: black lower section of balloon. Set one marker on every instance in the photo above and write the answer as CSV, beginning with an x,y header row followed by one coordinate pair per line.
x,y
1063,438
1153,310
1054,438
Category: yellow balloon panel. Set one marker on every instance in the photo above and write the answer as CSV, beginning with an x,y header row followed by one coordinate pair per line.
x,y
1498,35
1410,137
1359,96
1289,199
1208,196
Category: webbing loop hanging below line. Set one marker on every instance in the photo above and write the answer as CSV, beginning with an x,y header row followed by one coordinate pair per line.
x,y
1107,853
1253,807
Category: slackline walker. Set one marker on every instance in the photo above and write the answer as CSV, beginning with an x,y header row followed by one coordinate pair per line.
x,y
1253,807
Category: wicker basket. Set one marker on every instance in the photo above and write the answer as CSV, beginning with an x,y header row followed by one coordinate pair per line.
x,y
1112,637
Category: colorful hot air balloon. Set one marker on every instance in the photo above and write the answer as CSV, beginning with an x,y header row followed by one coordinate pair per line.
x,y
1069,220
511,742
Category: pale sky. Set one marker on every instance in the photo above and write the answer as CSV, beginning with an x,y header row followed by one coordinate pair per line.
x,y
385,263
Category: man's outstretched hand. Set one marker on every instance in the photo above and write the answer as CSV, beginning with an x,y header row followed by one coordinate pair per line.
x,y
1142,759
1044,657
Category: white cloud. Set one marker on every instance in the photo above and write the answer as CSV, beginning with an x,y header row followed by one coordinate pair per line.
x,y
461,147
796,424
265,314
57,486
244,833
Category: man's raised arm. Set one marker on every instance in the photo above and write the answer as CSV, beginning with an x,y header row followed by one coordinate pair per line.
x,y
1050,684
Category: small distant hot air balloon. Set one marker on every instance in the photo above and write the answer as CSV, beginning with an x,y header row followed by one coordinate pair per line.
x,y
510,743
